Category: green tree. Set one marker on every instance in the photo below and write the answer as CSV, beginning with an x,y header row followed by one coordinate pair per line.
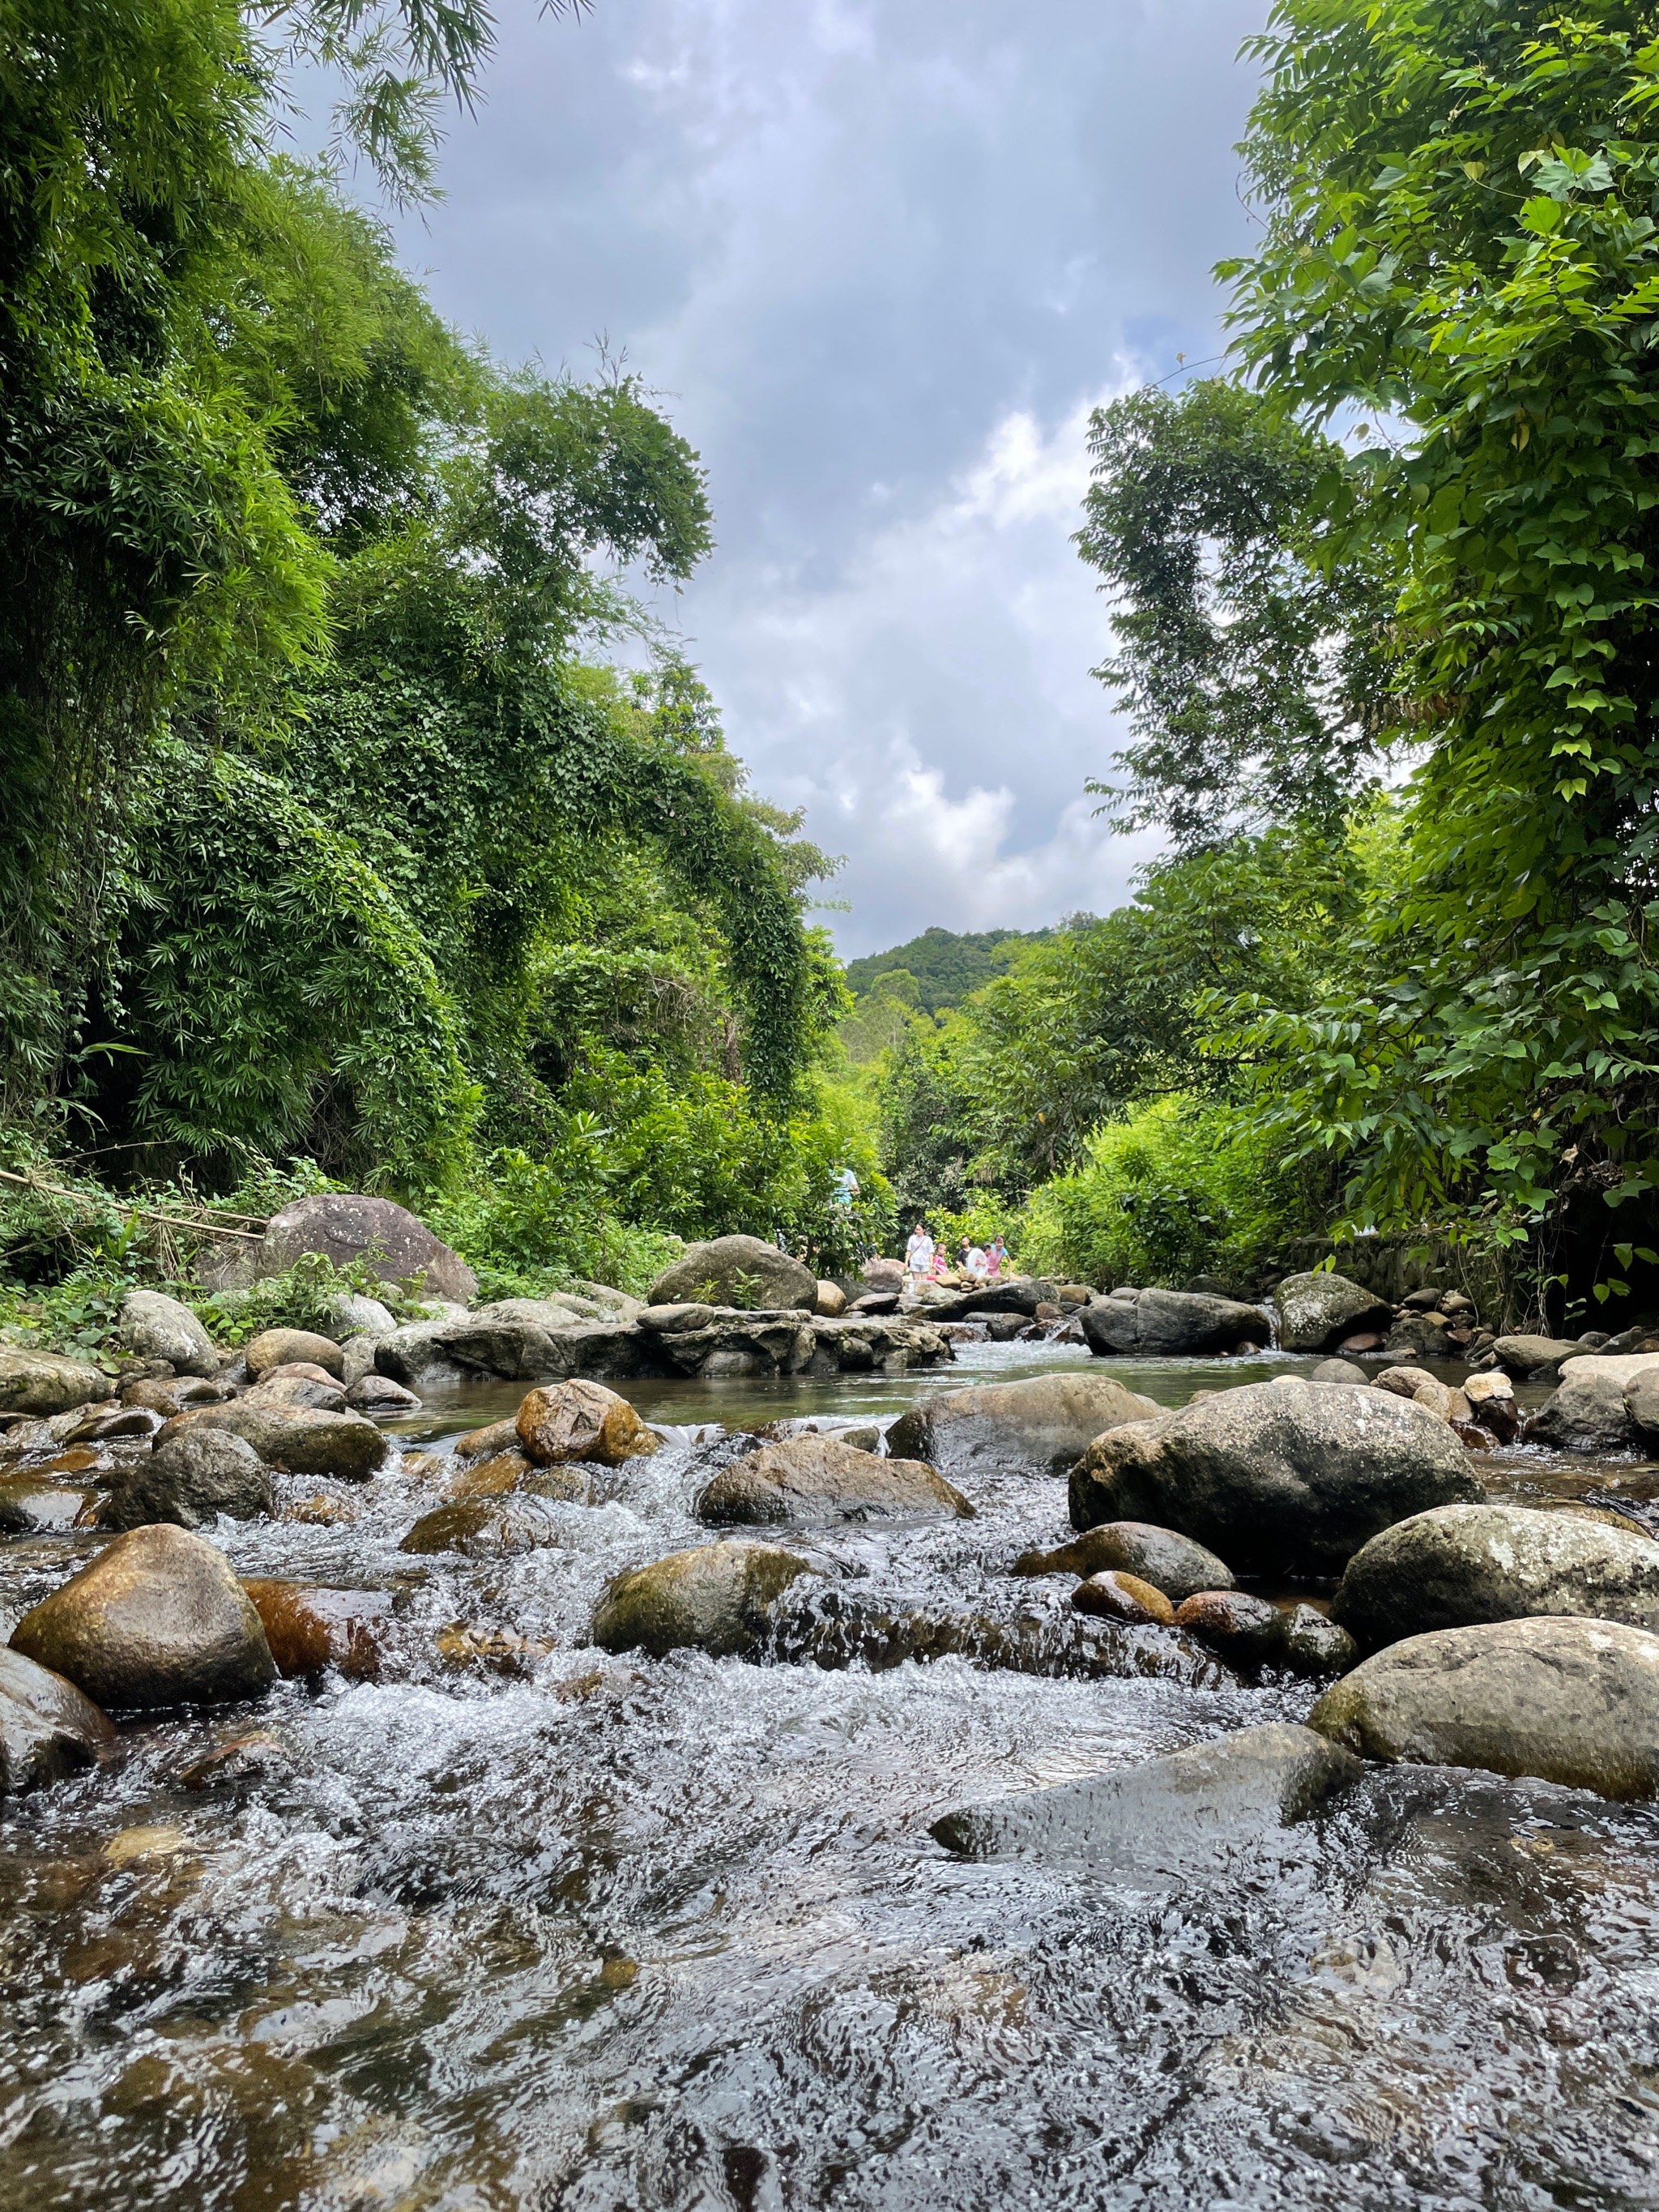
x,y
1460,239
1251,652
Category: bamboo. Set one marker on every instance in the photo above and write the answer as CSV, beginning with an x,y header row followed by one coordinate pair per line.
x,y
149,1212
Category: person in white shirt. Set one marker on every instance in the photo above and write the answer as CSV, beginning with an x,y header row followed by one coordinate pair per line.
x,y
919,1252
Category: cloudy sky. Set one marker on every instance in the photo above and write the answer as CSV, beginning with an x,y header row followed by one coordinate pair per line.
x,y
879,257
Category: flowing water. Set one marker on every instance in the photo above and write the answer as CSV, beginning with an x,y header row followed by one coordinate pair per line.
x,y
615,1936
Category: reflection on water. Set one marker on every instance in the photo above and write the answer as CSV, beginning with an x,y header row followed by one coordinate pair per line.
x,y
618,1935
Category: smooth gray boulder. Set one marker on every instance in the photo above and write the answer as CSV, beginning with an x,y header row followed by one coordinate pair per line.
x,y
1316,1312
155,1327
808,1479
716,1598
48,1728
1171,1563
520,1340
1290,1476
1035,1427
1534,1357
1169,1324
1314,1644
298,1439
45,1383
287,1347
348,1225
1338,1370
1570,1700
1461,1564
1167,1813
1642,1404
190,1481
1588,1410
157,1619
744,1272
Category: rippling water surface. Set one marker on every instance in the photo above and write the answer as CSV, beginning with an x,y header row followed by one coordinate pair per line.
x,y
673,1933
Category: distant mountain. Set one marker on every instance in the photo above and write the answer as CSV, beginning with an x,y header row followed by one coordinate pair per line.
x,y
947,963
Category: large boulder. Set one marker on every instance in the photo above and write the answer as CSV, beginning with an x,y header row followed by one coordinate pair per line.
x,y
495,1527
1169,1324
811,1478
1172,1563
159,1328
714,1598
1570,1700
1590,1410
1035,1427
737,1271
1534,1359
1287,1476
581,1420
298,1439
1189,1804
47,1383
48,1728
285,1347
1316,1312
190,1481
518,1340
347,1226
157,1619
1461,1564
1642,1403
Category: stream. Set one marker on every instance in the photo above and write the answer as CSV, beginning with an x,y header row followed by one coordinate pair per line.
x,y
618,1934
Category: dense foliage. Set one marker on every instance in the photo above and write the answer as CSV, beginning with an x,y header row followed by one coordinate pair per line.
x,y
945,964
328,836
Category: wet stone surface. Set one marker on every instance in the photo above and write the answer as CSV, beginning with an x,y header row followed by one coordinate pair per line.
x,y
521,1923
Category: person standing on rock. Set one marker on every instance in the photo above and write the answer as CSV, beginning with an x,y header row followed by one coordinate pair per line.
x,y
919,1252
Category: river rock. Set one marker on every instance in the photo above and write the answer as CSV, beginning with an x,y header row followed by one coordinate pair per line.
x,y
1315,1645
490,1528
1572,1701
716,1598
1287,1475
1533,1358
347,1226
298,1439
807,1480
1642,1404
1172,1563
1492,1402
47,1383
1461,1564
518,1340
1338,1370
160,1327
1423,1336
491,1478
1316,1312
1588,1412
157,1619
353,1315
1404,1382
190,1481
378,1394
582,1421
300,1385
310,1628
167,1398
1035,1427
34,1506
831,1300
281,1347
1117,1596
1247,1631
1169,1324
743,1272
1169,1811
48,1728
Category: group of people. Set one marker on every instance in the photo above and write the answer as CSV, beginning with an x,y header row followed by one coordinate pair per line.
x,y
924,1260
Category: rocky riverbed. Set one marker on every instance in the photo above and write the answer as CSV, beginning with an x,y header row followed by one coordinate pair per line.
x,y
475,1912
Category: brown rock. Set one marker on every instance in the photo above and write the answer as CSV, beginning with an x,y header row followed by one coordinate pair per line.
x,y
32,1505
45,1383
581,1420
157,1619
485,1442
310,1628
817,1478
1118,1596
831,1300
300,1439
47,1727
486,1528
491,1478
1244,1630
284,1347
1172,1563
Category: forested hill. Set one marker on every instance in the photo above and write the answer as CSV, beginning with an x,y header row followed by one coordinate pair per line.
x,y
947,963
